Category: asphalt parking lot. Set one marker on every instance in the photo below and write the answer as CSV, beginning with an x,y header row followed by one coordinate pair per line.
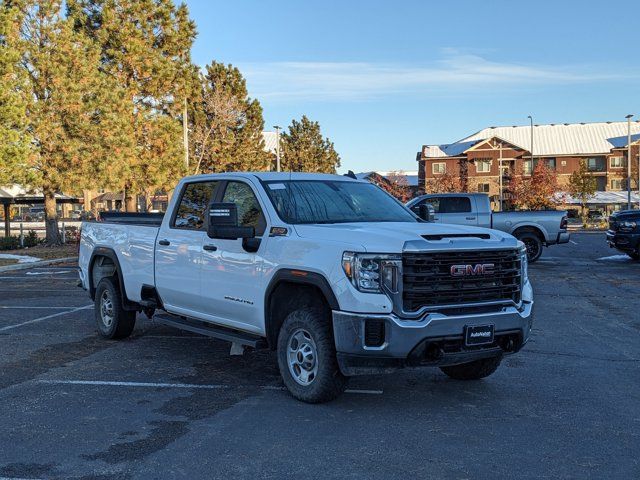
x,y
167,404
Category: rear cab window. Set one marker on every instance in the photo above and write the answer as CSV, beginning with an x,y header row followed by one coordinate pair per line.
x,y
193,205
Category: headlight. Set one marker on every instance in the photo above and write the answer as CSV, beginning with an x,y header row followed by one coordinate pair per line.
x,y
371,272
626,225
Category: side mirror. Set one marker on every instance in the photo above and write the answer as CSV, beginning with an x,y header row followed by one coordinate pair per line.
x,y
427,212
223,222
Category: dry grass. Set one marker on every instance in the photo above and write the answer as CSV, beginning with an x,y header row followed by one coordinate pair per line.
x,y
41,252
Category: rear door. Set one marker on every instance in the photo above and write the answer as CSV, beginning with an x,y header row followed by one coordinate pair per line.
x,y
232,277
179,249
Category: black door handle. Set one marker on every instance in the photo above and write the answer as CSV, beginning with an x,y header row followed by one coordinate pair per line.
x,y
164,242
210,248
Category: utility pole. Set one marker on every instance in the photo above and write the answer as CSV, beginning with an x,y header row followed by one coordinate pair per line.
x,y
531,118
185,136
628,117
500,174
277,147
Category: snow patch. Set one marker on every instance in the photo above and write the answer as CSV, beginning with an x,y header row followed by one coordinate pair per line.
x,y
20,258
616,258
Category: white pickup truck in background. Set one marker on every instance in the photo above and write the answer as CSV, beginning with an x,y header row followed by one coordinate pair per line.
x,y
536,228
331,272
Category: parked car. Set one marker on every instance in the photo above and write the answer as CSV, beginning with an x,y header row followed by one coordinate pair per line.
x,y
332,273
534,228
624,232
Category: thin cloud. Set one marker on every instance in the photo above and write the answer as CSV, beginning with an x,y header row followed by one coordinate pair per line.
x,y
454,73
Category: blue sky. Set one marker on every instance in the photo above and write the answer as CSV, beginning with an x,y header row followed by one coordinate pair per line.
x,y
384,78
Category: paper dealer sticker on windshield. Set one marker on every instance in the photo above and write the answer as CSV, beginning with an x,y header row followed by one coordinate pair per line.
x,y
277,186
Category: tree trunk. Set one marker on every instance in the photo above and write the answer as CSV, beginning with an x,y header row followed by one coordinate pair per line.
x,y
130,203
53,237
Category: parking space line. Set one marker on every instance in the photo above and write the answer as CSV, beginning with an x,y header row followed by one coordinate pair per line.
x,y
47,317
188,386
34,308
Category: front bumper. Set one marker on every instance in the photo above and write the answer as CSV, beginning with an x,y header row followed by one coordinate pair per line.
x,y
436,339
625,242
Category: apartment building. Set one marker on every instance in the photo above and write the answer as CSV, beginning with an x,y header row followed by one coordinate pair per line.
x,y
475,160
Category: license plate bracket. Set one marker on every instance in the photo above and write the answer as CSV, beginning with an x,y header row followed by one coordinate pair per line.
x,y
479,335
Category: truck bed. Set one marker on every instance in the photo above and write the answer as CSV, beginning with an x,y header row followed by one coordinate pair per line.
x,y
133,245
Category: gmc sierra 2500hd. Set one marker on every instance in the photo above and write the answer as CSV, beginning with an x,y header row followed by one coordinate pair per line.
x,y
333,273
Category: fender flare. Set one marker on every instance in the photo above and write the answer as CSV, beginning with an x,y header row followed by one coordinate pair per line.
x,y
110,254
302,277
532,226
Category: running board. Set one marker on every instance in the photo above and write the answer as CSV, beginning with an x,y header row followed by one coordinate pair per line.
x,y
210,330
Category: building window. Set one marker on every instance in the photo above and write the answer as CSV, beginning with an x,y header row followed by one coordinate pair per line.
x,y
551,163
617,162
483,166
483,188
595,164
616,184
563,163
528,167
438,168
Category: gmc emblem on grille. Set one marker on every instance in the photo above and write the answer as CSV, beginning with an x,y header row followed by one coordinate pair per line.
x,y
470,270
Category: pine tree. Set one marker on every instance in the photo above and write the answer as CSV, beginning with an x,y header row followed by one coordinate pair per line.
x,y
582,185
226,125
15,140
68,103
305,150
145,47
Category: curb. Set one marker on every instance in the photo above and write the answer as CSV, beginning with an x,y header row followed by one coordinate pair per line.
x,y
42,263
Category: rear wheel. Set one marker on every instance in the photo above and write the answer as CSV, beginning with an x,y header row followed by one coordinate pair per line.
x,y
473,370
112,320
533,245
307,357
635,255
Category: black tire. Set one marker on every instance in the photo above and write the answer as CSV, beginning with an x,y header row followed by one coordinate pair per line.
x,y
533,244
112,320
635,255
473,370
325,381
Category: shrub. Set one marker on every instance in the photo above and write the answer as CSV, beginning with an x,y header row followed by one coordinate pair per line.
x,y
31,239
9,243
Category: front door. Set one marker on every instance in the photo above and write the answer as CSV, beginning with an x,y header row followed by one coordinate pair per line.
x,y
179,250
232,277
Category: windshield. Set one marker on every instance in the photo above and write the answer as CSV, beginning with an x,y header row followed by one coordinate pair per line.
x,y
327,201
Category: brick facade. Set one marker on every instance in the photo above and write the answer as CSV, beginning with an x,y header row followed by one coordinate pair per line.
x,y
481,164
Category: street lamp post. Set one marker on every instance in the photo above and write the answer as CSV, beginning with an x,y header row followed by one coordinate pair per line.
x,y
277,147
628,117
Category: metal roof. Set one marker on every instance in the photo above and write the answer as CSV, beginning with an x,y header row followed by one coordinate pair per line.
x,y
600,198
549,140
410,175
19,194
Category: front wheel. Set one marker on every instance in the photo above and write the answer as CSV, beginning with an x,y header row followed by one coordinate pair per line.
x,y
307,357
473,370
533,245
635,255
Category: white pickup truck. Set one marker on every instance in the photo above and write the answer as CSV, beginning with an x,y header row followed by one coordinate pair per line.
x,y
332,272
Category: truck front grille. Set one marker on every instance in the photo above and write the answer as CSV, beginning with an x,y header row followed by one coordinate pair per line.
x,y
454,278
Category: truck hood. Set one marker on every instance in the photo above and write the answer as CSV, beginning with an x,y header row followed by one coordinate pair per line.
x,y
395,237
